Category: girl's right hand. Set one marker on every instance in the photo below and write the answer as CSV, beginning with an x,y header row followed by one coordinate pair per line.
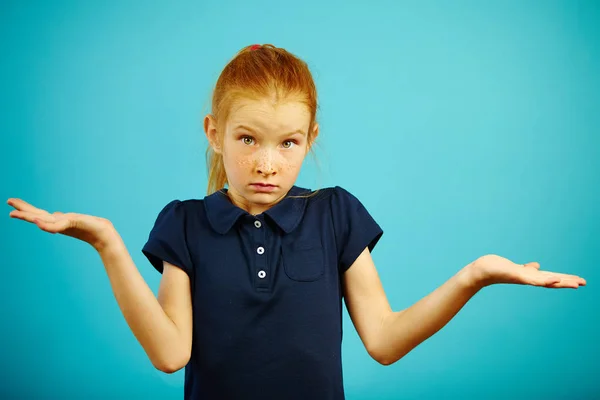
x,y
93,230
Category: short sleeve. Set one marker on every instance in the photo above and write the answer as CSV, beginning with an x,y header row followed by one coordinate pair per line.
x,y
167,240
355,229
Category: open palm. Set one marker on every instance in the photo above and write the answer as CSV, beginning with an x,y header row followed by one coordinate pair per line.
x,y
492,269
87,228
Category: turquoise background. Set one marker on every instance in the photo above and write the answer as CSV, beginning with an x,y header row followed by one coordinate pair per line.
x,y
465,127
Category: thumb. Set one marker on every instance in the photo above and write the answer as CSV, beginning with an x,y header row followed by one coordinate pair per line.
x,y
533,264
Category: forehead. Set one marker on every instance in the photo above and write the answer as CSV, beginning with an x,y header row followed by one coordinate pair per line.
x,y
267,115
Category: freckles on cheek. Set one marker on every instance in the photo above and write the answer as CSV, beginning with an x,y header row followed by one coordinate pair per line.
x,y
290,166
244,162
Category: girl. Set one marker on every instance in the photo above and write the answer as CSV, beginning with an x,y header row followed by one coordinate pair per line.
x,y
253,274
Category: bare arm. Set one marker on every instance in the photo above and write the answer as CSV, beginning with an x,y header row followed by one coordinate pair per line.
x,y
404,330
162,326
388,335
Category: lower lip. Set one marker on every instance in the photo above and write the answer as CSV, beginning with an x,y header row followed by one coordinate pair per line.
x,y
263,189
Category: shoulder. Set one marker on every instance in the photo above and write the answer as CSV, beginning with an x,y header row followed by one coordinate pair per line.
x,y
345,208
334,196
178,204
339,203
179,209
329,193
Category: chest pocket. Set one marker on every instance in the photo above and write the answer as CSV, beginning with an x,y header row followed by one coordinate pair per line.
x,y
303,262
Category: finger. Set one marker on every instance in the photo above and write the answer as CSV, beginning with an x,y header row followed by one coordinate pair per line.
x,y
557,282
548,281
532,276
30,217
577,279
535,265
565,281
52,226
22,205
573,281
568,277
564,284
25,216
538,280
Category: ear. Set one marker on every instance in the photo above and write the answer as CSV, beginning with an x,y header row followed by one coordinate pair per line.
x,y
315,133
210,129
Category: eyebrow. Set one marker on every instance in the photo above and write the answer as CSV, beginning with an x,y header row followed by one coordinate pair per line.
x,y
300,131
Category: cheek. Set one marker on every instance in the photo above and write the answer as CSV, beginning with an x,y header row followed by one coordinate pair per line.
x,y
291,164
236,166
288,165
244,162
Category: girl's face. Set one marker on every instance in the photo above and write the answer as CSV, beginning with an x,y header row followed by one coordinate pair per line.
x,y
263,148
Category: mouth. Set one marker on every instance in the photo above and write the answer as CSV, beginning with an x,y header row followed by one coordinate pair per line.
x,y
263,187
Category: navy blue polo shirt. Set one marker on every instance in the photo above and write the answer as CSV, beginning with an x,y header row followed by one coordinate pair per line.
x,y
266,290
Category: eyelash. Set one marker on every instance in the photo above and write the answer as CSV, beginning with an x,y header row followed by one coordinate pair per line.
x,y
243,138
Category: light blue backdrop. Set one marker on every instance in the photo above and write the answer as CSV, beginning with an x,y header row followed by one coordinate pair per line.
x,y
466,128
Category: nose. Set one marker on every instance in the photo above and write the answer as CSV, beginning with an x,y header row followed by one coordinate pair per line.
x,y
265,164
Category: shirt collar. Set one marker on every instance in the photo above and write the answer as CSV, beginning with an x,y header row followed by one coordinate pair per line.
x,y
223,214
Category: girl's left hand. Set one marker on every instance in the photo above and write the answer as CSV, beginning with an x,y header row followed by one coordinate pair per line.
x,y
492,269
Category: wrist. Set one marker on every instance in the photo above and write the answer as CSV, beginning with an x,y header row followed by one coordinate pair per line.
x,y
107,238
472,277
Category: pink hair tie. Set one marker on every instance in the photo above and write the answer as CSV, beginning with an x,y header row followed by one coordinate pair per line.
x,y
255,47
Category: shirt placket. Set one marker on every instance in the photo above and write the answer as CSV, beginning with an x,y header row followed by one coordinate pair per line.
x,y
262,272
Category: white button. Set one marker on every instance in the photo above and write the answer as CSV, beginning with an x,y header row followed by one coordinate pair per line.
x,y
257,224
260,250
262,274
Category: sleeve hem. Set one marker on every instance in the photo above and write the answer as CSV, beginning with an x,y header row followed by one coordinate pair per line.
x,y
375,236
156,258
